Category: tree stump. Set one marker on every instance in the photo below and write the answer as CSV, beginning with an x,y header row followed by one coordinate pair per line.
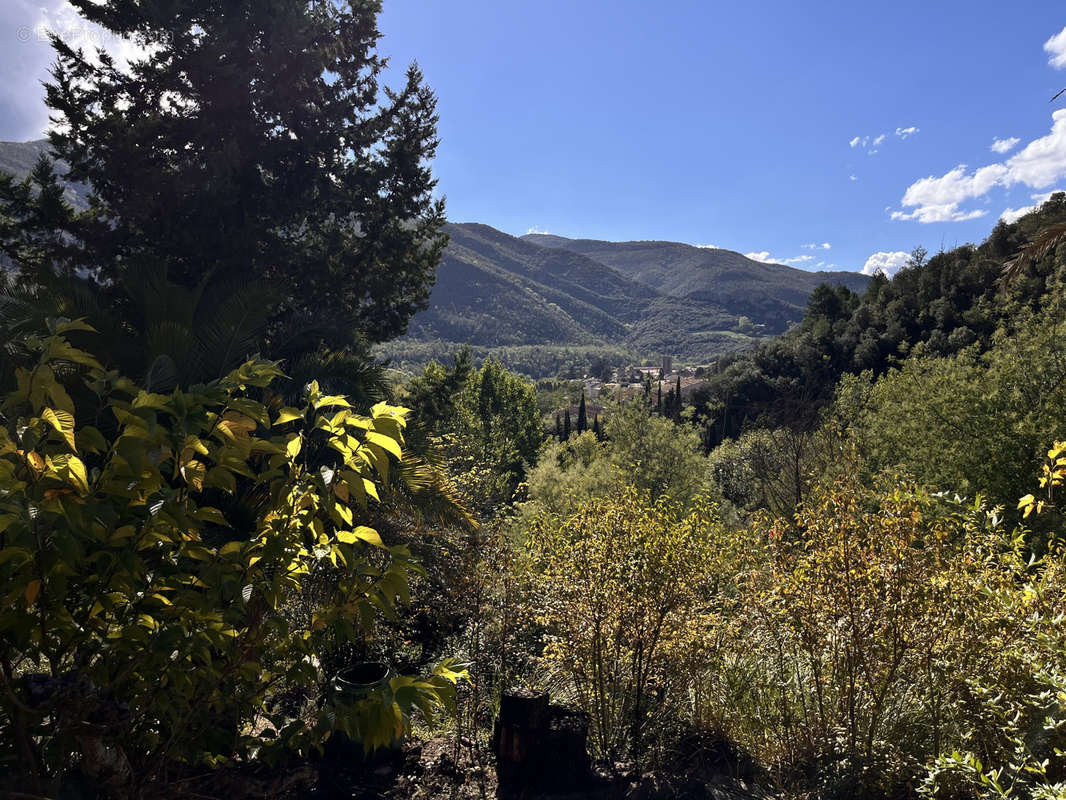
x,y
539,747
517,734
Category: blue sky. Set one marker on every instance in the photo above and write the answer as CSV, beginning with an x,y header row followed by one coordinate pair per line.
x,y
730,123
756,127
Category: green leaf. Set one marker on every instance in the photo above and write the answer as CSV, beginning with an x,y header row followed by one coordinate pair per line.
x,y
209,514
74,325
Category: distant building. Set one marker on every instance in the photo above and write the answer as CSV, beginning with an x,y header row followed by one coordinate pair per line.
x,y
668,365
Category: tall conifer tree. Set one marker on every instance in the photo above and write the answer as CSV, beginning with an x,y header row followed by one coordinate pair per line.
x,y
253,142
582,416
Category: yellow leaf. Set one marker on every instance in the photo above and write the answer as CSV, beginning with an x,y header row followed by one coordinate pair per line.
x,y
368,535
193,444
293,446
62,421
385,442
332,400
343,512
76,469
33,588
287,415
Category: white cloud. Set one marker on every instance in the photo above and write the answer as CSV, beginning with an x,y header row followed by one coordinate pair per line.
x,y
796,261
872,144
537,229
938,199
887,263
1055,47
1042,162
852,178
1014,214
816,246
1038,165
1004,145
708,247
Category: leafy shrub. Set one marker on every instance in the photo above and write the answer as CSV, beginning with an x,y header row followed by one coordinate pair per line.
x,y
624,588
156,554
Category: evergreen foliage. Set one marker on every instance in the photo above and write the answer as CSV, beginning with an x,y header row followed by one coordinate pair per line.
x,y
251,143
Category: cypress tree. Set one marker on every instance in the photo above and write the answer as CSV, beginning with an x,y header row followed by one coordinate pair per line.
x,y
254,144
677,399
566,425
582,416
559,428
659,402
596,428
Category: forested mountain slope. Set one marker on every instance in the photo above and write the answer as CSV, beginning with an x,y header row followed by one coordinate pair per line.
x,y
499,291
770,293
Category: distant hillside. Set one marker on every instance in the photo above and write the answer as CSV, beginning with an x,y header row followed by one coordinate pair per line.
x,y
769,293
18,158
631,300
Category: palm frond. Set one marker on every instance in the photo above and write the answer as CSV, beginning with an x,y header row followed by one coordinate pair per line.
x,y
1034,251
355,375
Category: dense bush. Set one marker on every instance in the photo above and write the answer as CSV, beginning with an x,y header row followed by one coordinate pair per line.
x,y
624,588
170,563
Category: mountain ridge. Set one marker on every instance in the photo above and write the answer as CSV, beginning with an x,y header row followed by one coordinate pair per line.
x,y
643,298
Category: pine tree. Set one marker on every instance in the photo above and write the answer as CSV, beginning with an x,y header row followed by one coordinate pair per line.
x,y
582,416
566,425
254,144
